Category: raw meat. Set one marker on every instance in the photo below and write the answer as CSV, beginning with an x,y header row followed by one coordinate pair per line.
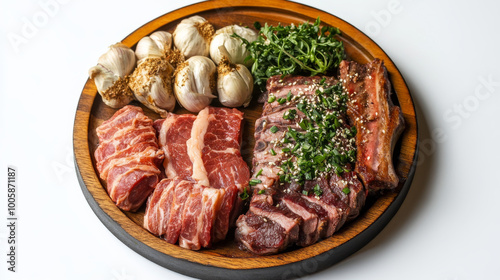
x,y
128,157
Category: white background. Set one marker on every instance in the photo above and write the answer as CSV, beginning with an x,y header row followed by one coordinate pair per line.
x,y
448,228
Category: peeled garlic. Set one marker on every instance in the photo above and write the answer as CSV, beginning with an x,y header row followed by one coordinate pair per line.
x,y
195,83
110,75
151,81
234,84
192,36
232,47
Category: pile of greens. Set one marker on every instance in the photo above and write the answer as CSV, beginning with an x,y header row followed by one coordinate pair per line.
x,y
306,49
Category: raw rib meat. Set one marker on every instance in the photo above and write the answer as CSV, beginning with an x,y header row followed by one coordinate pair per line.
x,y
128,157
203,158
378,122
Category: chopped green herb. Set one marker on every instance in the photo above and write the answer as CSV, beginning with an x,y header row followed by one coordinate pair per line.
x,y
290,114
289,96
346,190
244,195
259,173
271,98
317,190
274,129
281,100
254,182
304,192
272,152
261,191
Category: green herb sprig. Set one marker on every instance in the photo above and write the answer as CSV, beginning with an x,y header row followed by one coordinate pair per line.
x,y
306,49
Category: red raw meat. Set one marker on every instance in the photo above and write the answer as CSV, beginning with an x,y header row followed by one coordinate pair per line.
x,y
128,157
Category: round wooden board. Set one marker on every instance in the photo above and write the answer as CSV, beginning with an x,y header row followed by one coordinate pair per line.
x,y
225,260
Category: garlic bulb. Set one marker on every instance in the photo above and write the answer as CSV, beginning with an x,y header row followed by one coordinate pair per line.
x,y
192,36
195,83
156,44
234,84
110,75
151,81
232,47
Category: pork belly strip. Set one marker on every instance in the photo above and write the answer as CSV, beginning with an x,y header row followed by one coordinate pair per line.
x,y
292,213
128,157
378,122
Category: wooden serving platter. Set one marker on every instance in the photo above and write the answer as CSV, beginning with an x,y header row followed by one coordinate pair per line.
x,y
225,260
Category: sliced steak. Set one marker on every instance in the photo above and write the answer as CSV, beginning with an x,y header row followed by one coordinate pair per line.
x,y
260,235
291,212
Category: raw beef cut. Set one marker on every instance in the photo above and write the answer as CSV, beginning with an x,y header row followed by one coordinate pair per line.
x,y
204,165
128,157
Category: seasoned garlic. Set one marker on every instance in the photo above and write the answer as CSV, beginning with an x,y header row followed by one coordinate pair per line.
x,y
110,75
223,44
195,83
151,81
154,45
234,84
163,40
192,36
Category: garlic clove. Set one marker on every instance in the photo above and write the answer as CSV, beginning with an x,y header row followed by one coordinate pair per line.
x,y
146,47
232,47
152,86
192,36
234,84
163,40
195,83
110,75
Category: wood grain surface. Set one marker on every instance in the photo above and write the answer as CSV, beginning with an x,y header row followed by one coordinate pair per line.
x,y
225,257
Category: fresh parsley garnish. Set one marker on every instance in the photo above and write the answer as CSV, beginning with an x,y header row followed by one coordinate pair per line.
x,y
305,49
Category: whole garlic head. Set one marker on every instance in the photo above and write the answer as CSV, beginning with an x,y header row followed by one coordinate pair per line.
x,y
195,83
232,47
151,81
110,75
192,36
234,84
